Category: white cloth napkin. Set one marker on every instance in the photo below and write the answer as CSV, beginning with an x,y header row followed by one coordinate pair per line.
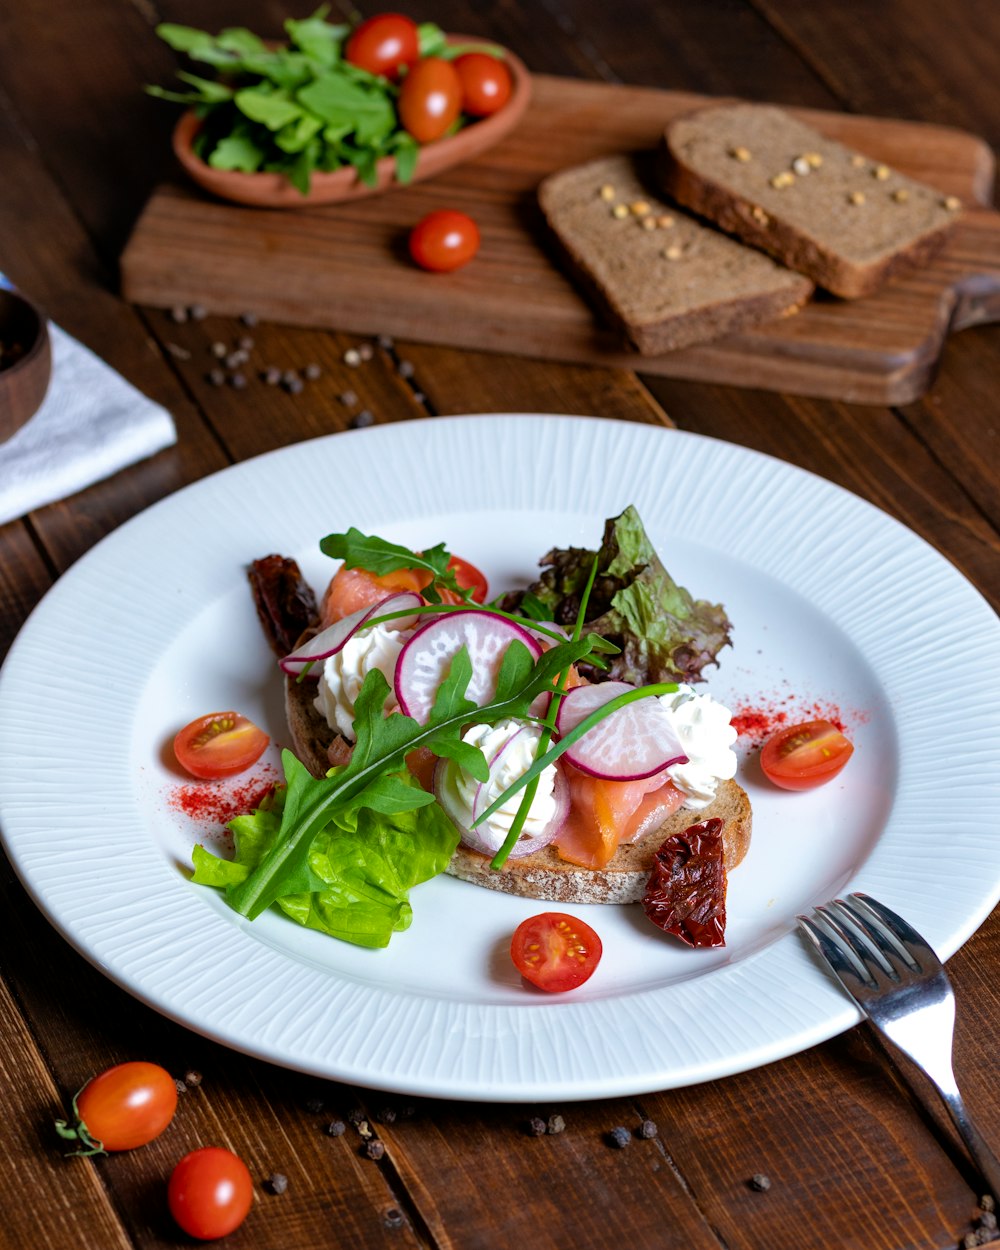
x,y
91,424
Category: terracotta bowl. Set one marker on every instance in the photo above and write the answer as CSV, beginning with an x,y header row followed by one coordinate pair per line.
x,y
269,190
24,337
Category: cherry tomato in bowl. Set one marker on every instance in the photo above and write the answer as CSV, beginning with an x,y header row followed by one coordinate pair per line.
x,y
384,45
121,1108
486,83
430,98
800,757
555,951
210,1193
218,745
444,240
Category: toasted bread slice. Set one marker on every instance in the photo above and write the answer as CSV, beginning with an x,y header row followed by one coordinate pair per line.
x,y
542,875
848,222
662,278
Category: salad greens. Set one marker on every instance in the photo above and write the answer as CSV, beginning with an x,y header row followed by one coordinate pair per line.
x,y
663,633
375,780
296,109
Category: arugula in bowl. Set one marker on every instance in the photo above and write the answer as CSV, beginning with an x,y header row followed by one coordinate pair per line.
x,y
295,109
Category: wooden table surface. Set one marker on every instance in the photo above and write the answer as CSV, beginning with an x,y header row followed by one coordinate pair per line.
x,y
852,1159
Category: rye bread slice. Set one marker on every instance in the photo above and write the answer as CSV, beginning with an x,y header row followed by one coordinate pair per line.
x,y
658,276
848,222
542,875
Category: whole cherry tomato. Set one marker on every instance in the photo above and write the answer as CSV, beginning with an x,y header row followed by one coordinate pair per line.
x,y
430,98
210,1193
121,1108
444,240
384,45
486,83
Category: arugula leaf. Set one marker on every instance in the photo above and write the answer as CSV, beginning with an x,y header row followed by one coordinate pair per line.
x,y
361,864
379,556
381,747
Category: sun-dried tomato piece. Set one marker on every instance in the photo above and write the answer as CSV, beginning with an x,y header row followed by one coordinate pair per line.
x,y
285,602
686,892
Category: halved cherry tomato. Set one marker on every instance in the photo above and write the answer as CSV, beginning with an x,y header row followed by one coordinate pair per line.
x,y
486,83
444,240
219,745
555,951
210,1193
384,44
800,757
121,1108
430,98
352,589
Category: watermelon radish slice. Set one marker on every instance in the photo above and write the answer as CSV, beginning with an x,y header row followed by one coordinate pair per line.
x,y
632,742
424,661
332,639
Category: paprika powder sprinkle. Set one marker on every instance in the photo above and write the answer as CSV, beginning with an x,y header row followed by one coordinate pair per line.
x,y
757,720
217,803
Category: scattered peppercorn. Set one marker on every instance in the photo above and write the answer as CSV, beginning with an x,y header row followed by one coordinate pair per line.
x,y
276,1183
387,1115
313,1105
181,1087
375,1149
293,384
312,372
237,381
215,377
419,397
986,1203
365,1130
220,350
178,314
336,1128
362,419
648,1129
556,1124
198,312
234,360
386,342
352,357
245,344
619,1137
356,1115
760,1182
393,1218
406,369
366,351
178,352
537,1126
249,319
348,399
192,1078
271,376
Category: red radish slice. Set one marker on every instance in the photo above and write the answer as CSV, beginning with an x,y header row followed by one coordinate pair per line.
x,y
332,639
424,661
633,742
488,840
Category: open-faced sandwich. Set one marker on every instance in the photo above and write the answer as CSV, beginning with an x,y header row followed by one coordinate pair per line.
x,y
550,744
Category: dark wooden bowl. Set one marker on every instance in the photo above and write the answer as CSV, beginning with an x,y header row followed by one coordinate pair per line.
x,y
24,337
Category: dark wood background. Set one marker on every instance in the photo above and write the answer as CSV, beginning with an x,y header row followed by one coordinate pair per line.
x,y
852,1159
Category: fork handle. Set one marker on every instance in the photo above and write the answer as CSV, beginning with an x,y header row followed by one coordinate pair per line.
x,y
983,1157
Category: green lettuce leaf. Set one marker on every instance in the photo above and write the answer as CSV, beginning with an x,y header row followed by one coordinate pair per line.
x,y
359,868
663,632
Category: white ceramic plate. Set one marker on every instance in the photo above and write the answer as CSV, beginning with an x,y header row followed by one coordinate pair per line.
x,y
833,602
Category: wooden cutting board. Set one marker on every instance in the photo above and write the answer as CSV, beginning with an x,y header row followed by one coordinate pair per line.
x,y
346,266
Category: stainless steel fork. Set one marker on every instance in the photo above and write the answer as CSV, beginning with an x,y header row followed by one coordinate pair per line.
x,y
903,989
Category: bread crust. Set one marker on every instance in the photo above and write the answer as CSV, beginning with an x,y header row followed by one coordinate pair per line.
x,y
542,875
756,218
